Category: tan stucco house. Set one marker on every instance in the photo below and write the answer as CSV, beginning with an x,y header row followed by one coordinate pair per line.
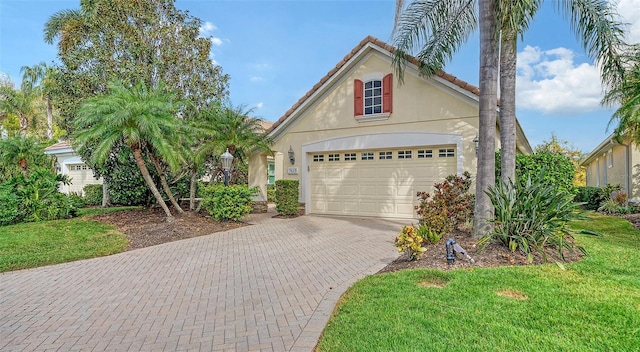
x,y
615,163
69,163
362,145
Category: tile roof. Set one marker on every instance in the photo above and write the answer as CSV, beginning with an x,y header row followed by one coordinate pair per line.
x,y
373,40
59,145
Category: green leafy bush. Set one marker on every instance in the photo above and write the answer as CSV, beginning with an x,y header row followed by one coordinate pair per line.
x,y
77,200
532,216
410,242
592,197
227,203
34,198
92,194
559,170
428,235
287,197
450,207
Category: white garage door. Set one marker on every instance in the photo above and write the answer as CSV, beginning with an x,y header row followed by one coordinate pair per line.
x,y
80,175
381,183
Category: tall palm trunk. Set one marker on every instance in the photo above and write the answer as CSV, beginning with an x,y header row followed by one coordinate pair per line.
x,y
193,184
23,120
137,154
49,118
106,198
165,185
508,53
487,117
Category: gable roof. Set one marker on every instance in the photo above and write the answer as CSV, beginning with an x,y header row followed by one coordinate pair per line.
x,y
384,46
59,148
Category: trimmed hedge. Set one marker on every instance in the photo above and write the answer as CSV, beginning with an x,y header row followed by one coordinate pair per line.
x,y
227,203
558,169
287,197
92,194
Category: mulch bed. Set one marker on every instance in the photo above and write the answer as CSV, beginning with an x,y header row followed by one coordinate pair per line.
x,y
148,227
492,256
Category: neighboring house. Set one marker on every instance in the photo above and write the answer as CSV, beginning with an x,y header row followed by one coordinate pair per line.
x,y
615,163
69,163
361,144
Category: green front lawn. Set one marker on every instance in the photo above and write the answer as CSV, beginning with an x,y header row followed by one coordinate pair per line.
x,y
594,305
36,244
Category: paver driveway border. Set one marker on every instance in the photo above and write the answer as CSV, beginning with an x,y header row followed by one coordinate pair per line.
x,y
270,286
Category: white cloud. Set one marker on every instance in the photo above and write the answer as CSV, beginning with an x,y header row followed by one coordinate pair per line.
x,y
551,82
207,29
216,41
255,79
629,10
259,105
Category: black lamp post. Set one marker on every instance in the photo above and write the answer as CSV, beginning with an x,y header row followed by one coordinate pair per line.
x,y
226,158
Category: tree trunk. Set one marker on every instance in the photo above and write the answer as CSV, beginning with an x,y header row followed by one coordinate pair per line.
x,y
508,52
487,118
137,154
165,185
106,198
24,124
192,188
49,119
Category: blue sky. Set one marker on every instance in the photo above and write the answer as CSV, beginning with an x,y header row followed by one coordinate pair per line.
x,y
275,51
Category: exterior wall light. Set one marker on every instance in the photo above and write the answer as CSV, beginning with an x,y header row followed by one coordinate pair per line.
x,y
292,157
476,141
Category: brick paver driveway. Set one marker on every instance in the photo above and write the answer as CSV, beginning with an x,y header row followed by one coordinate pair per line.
x,y
269,286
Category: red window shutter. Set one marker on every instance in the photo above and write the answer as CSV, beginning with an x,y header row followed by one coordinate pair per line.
x,y
358,103
387,96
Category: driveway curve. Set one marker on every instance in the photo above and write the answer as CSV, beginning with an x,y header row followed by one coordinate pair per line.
x,y
270,286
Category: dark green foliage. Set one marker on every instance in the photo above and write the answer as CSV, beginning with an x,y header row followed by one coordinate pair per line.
x,y
287,197
92,194
20,155
77,200
34,198
559,169
271,193
532,216
227,203
591,196
450,207
428,235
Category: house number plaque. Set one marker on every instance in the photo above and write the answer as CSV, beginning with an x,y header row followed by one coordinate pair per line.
x,y
292,171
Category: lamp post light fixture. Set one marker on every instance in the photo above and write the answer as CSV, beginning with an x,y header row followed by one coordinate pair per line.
x,y
476,141
292,157
226,158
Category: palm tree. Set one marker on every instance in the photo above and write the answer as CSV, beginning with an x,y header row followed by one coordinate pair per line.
x,y
442,26
239,133
627,117
141,117
70,26
21,103
40,79
21,155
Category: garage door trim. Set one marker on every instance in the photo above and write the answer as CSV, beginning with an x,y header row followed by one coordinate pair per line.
x,y
375,141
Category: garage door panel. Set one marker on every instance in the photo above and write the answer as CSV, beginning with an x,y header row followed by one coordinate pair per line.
x,y
385,188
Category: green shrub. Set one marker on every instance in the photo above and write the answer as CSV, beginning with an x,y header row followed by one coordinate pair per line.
x,y
410,242
532,216
271,193
609,206
591,196
77,200
287,197
428,234
92,194
34,198
450,207
227,203
559,170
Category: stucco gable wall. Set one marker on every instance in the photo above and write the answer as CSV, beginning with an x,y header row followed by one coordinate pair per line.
x,y
415,101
